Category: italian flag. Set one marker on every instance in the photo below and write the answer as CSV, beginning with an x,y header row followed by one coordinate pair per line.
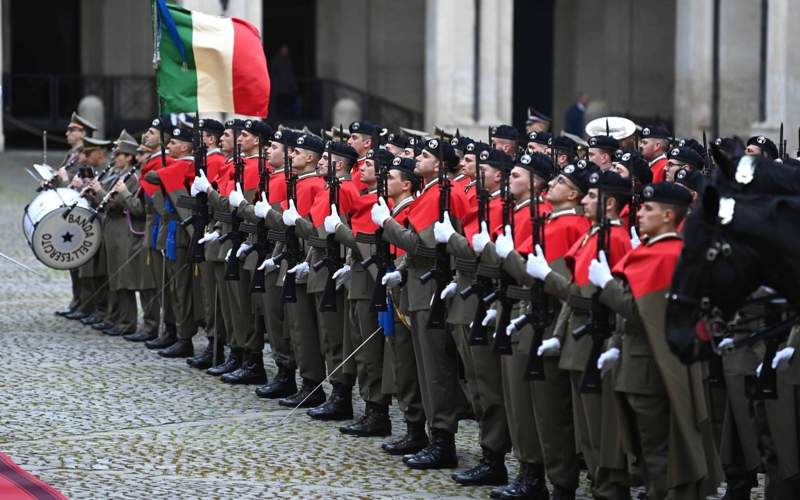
x,y
208,63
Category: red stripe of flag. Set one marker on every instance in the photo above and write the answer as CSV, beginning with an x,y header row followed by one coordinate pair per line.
x,y
251,83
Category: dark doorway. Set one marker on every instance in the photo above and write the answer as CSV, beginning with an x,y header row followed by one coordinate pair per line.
x,y
293,68
533,58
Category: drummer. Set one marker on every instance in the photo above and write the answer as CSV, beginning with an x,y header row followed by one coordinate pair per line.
x,y
77,129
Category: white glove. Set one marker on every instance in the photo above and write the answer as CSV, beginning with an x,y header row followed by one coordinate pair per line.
x,y
392,279
228,255
442,231
332,221
635,241
449,290
608,360
491,316
380,213
504,244
290,215
236,197
758,369
725,344
268,264
548,346
200,184
537,265
243,248
300,269
599,272
212,236
262,207
782,358
481,239
514,325
341,275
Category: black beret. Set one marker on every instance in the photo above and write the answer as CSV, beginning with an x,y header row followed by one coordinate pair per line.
x,y
540,138
766,145
341,148
309,143
687,155
406,165
563,144
537,163
476,148
505,132
259,128
164,122
285,137
691,143
235,124
637,166
441,148
401,141
414,144
667,192
655,132
496,158
691,179
579,172
211,125
381,156
610,182
365,128
460,143
182,134
605,142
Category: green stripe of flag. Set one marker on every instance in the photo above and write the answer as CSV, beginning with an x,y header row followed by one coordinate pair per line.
x,y
177,81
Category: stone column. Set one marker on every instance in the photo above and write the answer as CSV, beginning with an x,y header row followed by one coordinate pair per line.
x,y
783,73
2,53
693,67
450,65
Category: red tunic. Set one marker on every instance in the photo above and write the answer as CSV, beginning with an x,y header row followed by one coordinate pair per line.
x,y
154,163
402,218
355,175
659,169
178,174
471,225
277,188
426,208
585,249
560,233
649,268
214,163
307,187
321,208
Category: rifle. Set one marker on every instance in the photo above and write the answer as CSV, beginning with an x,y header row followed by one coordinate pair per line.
x,y
635,201
235,235
292,252
441,267
333,251
765,385
382,258
599,325
781,145
263,246
198,204
483,284
502,342
707,163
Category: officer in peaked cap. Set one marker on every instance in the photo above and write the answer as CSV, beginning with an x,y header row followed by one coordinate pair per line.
x,y
759,145
537,121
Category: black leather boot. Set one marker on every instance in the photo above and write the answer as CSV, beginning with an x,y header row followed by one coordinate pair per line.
x,y
530,483
490,471
338,407
283,385
251,372
162,341
414,441
66,311
76,315
312,397
440,454
182,348
375,422
232,363
205,360
114,331
141,336
91,320
102,326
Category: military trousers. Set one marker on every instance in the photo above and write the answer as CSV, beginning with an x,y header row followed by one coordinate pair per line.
x,y
75,303
331,335
245,334
437,372
467,380
209,297
277,327
405,385
649,418
127,310
305,337
179,277
224,302
369,358
488,393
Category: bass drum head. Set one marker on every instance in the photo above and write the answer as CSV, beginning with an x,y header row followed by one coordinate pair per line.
x,y
66,243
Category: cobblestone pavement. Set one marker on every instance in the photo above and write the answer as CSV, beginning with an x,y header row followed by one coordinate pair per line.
x,y
98,417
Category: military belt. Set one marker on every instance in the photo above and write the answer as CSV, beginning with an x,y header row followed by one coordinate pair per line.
x,y
317,242
468,266
580,303
518,293
488,271
365,238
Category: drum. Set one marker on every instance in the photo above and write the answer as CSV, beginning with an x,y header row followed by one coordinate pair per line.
x,y
59,228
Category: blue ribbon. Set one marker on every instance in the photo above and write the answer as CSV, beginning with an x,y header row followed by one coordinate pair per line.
x,y
171,251
386,318
154,235
165,17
